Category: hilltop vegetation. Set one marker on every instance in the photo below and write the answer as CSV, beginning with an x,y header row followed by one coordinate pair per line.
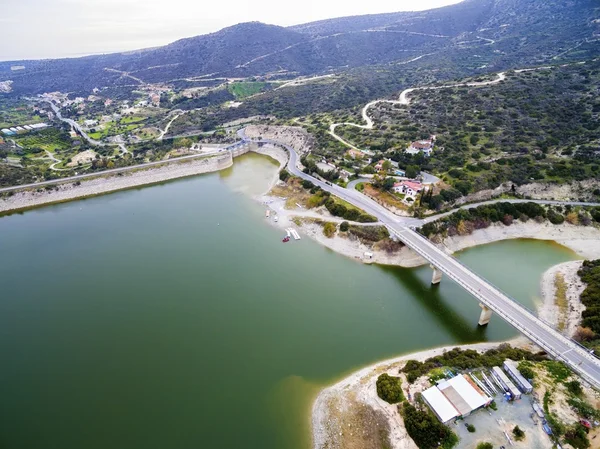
x,y
539,125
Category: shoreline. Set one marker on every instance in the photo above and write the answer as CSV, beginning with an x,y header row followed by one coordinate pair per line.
x,y
70,191
565,317
358,389
583,240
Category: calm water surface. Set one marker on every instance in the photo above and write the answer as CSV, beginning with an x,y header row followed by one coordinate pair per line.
x,y
173,317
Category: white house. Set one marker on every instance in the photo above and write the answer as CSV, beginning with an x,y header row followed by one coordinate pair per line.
x,y
409,188
422,146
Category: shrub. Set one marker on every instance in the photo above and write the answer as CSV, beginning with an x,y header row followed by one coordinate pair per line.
x,y
389,388
329,229
518,433
574,387
577,437
284,175
485,445
426,431
471,428
344,226
526,370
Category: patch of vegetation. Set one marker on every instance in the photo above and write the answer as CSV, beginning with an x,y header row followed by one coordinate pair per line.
x,y
284,175
590,297
467,359
465,221
584,409
369,233
389,388
247,88
577,437
560,299
518,433
557,427
329,229
485,445
526,369
425,429
574,387
558,370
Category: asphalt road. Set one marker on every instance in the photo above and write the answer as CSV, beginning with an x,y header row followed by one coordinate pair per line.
x,y
107,172
541,333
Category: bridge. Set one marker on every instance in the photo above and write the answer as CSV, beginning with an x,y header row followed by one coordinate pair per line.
x,y
490,298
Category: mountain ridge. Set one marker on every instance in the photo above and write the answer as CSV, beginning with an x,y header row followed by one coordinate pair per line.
x,y
537,30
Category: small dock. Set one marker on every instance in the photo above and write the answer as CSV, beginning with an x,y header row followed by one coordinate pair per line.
x,y
294,233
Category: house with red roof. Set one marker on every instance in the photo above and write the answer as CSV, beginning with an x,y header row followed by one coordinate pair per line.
x,y
422,146
408,188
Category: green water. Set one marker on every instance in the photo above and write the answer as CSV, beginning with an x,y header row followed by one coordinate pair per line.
x,y
173,317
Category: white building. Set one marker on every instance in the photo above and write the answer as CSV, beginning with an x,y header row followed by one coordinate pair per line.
x,y
510,367
506,382
456,397
422,146
408,188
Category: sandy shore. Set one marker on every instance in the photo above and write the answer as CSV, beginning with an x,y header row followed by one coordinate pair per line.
x,y
549,310
584,240
333,409
105,184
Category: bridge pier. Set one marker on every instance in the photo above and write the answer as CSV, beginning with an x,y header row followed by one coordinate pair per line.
x,y
437,275
486,315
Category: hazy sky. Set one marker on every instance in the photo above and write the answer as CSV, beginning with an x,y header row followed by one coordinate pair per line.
x,y
58,28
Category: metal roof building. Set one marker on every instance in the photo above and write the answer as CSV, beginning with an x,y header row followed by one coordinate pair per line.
x,y
455,397
440,405
510,367
506,382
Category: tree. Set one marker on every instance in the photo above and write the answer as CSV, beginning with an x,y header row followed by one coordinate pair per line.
x,y
344,226
387,165
388,184
389,388
329,229
518,433
412,171
284,175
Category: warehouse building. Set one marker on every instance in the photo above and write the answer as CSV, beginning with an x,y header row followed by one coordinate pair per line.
x,y
510,367
506,383
456,397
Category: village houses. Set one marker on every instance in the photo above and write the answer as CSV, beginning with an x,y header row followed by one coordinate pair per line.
x,y
422,146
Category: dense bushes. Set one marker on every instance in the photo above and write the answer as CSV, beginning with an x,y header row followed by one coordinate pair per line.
x,y
370,233
389,388
329,229
337,209
590,297
467,359
465,221
426,431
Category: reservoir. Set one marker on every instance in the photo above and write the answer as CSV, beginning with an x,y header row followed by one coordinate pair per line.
x,y
172,316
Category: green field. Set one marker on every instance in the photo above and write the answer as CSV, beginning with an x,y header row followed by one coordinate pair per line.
x,y
246,89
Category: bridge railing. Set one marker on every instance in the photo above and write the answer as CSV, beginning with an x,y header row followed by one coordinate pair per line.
x,y
584,351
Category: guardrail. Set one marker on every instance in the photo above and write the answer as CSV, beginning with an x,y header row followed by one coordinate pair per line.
x,y
568,342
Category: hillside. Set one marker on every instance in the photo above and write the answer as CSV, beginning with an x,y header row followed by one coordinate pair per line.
x,y
503,33
538,125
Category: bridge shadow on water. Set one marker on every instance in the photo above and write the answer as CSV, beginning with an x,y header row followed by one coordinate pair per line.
x,y
430,297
